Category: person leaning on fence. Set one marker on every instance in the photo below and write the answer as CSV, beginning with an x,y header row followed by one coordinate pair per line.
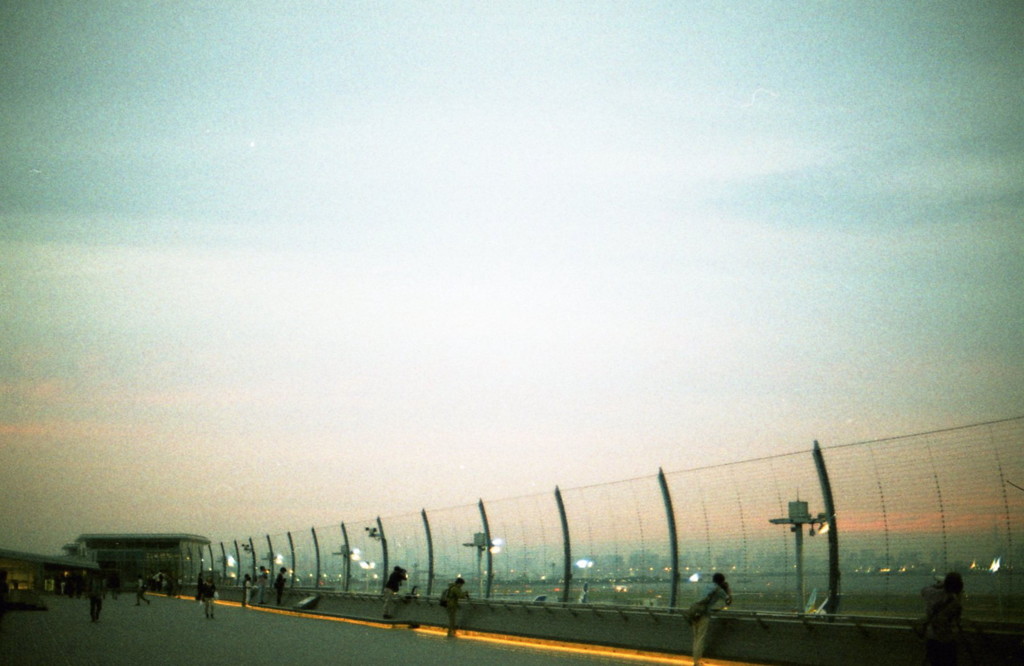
x,y
698,614
943,607
450,601
391,589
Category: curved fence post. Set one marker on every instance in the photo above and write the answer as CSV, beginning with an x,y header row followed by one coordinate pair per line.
x,y
566,546
670,516
270,556
384,554
316,547
430,552
348,558
487,547
252,551
223,562
832,604
291,549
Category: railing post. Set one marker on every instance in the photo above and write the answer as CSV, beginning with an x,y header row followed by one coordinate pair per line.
x,y
384,554
487,547
316,547
270,557
252,551
223,562
834,594
348,557
238,559
670,517
566,546
430,553
291,549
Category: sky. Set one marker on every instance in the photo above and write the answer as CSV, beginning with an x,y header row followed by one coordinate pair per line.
x,y
271,265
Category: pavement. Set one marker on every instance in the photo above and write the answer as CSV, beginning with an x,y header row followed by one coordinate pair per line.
x,y
175,631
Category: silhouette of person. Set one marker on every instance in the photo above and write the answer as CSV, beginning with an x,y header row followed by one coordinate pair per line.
x,y
391,589
96,594
279,584
451,596
140,591
246,590
209,595
4,590
261,585
943,608
698,614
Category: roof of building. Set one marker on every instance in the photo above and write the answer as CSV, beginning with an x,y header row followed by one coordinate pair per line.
x,y
144,537
59,560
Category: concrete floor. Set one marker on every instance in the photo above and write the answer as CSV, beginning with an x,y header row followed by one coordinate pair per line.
x,y
175,631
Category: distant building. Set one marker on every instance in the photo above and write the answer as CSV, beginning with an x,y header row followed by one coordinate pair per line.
x,y
179,557
29,574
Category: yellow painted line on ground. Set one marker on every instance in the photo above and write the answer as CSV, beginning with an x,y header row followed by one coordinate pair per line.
x,y
505,639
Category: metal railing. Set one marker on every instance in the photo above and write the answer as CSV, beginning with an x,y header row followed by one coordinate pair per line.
x,y
857,528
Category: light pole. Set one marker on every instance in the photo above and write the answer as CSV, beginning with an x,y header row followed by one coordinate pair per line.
x,y
798,517
480,543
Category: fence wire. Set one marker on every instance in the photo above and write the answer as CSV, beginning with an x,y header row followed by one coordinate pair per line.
x,y
907,510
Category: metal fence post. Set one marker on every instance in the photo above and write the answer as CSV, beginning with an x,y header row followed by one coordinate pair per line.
x,y
487,546
832,605
348,557
316,547
291,549
670,516
566,546
430,552
384,554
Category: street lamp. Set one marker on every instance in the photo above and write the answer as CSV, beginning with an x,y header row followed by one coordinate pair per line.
x,y
798,517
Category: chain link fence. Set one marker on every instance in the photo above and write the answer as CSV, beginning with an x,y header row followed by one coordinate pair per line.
x,y
854,529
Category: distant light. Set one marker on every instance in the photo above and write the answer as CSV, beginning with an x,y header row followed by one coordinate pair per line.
x,y
584,563
695,578
231,561
996,563
498,542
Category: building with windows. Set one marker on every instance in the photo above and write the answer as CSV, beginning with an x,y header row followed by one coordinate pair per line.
x,y
178,557
29,574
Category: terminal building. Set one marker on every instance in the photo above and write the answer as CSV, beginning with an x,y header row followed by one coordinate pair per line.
x,y
178,557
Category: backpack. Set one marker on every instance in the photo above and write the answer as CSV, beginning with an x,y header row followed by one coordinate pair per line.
x,y
443,602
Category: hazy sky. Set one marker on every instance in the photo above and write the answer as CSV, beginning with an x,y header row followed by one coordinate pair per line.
x,y
269,265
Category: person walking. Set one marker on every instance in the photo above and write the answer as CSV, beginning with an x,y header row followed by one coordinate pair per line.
x,y
140,591
391,589
450,601
96,594
279,584
698,614
209,595
246,590
943,608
